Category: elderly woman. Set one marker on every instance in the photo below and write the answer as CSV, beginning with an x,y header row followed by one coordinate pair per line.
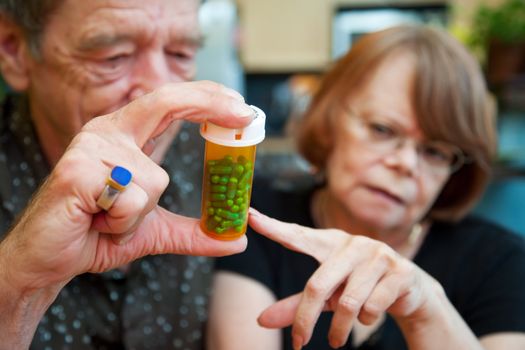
x,y
403,134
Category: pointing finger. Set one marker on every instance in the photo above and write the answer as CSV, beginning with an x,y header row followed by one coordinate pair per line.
x,y
296,237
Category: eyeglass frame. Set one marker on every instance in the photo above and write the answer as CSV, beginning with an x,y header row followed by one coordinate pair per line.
x,y
401,138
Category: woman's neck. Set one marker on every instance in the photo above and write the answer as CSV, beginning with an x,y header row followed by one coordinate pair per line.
x,y
329,213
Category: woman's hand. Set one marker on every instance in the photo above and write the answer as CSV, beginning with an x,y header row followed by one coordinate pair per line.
x,y
359,278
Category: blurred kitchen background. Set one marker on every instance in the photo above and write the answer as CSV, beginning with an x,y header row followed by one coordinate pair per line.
x,y
273,51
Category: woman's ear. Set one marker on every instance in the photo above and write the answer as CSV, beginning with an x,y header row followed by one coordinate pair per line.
x,y
13,55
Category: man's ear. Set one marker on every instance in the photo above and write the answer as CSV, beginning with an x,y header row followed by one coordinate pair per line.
x,y
13,55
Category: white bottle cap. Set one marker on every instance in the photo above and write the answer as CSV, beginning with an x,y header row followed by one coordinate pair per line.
x,y
247,136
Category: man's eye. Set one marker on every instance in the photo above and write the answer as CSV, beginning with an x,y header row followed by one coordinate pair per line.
x,y
117,58
180,56
114,62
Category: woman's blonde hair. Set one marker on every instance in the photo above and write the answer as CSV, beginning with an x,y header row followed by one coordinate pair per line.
x,y
450,99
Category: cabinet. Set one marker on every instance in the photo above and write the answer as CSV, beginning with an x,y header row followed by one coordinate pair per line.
x,y
284,35
281,36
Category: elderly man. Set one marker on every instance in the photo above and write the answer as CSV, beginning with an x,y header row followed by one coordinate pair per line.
x,y
72,61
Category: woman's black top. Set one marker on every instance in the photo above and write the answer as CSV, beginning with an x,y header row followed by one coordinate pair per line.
x,y
480,265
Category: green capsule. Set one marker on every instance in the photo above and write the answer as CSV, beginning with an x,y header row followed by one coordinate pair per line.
x,y
235,208
215,179
225,214
243,207
211,162
238,170
238,222
211,225
227,160
232,188
221,169
239,194
240,200
222,204
218,196
211,211
242,160
224,180
248,166
217,218
226,224
245,179
219,230
238,228
218,188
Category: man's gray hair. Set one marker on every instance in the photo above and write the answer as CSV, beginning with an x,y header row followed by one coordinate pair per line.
x,y
31,16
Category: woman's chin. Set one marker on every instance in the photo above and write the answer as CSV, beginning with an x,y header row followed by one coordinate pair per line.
x,y
379,221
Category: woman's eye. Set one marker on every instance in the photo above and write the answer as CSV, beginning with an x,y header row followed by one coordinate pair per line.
x,y
436,154
380,130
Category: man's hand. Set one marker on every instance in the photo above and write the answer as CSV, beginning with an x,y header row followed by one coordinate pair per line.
x,y
63,233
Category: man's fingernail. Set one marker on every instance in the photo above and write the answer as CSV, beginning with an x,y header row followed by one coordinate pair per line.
x,y
243,110
236,95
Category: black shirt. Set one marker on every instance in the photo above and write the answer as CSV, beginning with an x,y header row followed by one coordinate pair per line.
x,y
480,266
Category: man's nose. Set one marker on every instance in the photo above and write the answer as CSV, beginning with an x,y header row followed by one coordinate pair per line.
x,y
150,71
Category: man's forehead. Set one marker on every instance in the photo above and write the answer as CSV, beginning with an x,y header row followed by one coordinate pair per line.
x,y
98,23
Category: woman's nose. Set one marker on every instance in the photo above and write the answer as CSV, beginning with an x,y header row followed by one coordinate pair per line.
x,y
405,157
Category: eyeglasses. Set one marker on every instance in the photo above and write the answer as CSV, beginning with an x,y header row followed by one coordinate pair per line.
x,y
384,137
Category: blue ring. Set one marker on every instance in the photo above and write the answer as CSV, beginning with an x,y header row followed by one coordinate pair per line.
x,y
121,175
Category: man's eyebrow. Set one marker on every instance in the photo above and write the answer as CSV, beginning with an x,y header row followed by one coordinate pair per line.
x,y
194,40
102,40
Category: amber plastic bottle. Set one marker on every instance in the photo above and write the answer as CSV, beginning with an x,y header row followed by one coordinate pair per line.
x,y
228,174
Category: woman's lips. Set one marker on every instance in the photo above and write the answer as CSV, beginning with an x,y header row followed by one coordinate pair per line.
x,y
390,196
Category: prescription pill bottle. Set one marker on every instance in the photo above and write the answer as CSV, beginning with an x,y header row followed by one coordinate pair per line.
x,y
228,173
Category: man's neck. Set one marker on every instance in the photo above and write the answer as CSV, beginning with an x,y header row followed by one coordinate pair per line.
x,y
52,142
52,145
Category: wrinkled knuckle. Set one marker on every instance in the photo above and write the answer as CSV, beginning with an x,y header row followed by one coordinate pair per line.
x,y
139,203
372,310
364,242
349,303
381,252
86,137
300,323
315,288
213,85
406,268
66,172
161,181
162,97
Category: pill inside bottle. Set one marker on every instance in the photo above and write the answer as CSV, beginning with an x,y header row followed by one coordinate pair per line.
x,y
228,175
